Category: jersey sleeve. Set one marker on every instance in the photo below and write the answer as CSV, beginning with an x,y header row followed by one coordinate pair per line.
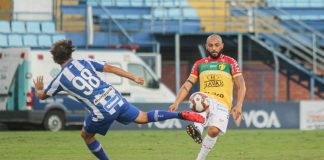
x,y
194,70
54,87
235,68
98,65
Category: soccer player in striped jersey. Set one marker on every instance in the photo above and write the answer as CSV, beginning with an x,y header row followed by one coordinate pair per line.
x,y
217,75
105,104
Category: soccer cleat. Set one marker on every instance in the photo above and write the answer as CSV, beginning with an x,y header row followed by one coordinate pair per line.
x,y
193,132
192,116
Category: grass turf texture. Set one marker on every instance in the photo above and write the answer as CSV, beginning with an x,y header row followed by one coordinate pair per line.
x,y
164,145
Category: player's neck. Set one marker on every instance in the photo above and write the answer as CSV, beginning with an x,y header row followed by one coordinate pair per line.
x,y
63,64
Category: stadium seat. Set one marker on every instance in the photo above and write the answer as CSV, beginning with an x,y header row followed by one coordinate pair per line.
x,y
58,37
18,27
15,40
190,13
91,2
33,27
30,40
44,41
159,13
123,3
108,3
184,3
5,27
174,13
137,3
157,3
103,2
168,4
3,40
48,27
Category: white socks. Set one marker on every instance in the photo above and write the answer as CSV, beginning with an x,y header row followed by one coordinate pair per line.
x,y
207,145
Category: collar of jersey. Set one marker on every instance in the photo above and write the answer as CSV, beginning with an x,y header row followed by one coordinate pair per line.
x,y
69,61
211,59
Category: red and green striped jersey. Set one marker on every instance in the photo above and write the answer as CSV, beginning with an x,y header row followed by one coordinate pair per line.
x,y
216,77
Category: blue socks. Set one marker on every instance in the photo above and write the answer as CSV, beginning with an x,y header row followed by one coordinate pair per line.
x,y
96,148
159,115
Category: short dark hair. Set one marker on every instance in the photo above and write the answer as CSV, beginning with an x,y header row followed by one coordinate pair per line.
x,y
62,50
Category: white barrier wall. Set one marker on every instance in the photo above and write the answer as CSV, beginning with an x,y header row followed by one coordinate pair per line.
x,y
311,115
38,10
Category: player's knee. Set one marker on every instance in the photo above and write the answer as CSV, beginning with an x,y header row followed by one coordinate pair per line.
x,y
142,118
82,134
213,131
86,136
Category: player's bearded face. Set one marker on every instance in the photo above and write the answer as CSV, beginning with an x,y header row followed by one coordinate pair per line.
x,y
214,48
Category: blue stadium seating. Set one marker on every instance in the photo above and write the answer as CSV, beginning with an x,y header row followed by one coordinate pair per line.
x,y
3,40
190,13
44,40
102,2
28,34
168,4
5,27
123,3
15,40
30,40
48,27
138,3
58,37
33,27
18,27
159,13
174,13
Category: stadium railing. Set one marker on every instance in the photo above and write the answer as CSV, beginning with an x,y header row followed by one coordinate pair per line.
x,y
298,45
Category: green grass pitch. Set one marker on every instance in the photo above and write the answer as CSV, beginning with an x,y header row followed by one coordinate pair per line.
x,y
164,145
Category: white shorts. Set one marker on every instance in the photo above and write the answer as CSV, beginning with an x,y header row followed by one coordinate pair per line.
x,y
218,116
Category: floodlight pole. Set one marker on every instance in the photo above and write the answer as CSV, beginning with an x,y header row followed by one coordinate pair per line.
x,y
240,50
177,62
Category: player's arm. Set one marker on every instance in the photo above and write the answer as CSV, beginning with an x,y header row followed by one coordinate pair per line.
x,y
183,92
120,72
39,87
241,89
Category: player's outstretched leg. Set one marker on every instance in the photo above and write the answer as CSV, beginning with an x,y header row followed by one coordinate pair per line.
x,y
94,145
160,115
194,133
192,116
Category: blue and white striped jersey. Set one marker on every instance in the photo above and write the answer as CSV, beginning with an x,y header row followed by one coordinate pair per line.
x,y
79,79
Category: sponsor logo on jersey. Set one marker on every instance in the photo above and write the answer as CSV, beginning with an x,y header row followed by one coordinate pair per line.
x,y
213,81
216,94
222,67
104,95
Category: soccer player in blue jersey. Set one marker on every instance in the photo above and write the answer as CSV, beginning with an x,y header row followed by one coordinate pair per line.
x,y
104,102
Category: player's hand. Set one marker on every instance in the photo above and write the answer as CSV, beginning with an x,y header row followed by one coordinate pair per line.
x,y
173,107
39,84
139,80
236,113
